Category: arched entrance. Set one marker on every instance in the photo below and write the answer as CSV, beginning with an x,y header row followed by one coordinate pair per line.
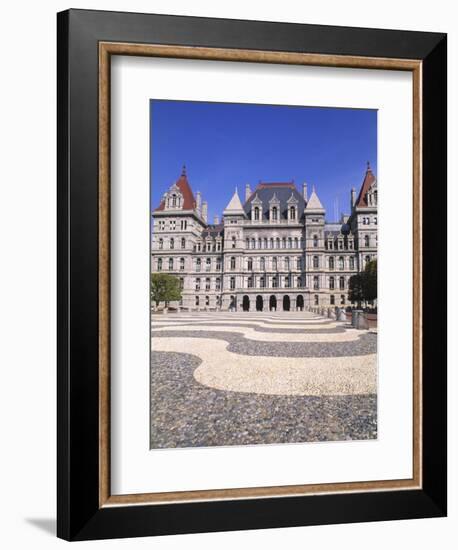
x,y
259,303
286,303
246,303
273,303
300,303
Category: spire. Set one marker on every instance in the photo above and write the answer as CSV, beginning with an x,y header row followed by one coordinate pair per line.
x,y
183,171
314,202
369,180
235,205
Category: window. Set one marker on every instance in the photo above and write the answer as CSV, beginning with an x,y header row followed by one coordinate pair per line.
x,y
197,284
253,243
274,263
209,247
342,299
292,213
234,242
331,262
198,264
315,241
262,282
250,264
232,283
181,264
290,242
375,220
274,213
332,299
316,299
247,243
207,283
218,264
174,200
316,282
232,262
162,225
181,283
256,213
316,262
183,243
262,262
341,262
366,240
199,247
184,225
207,300
271,243
161,244
265,243
299,282
331,283
352,262
159,264
208,264
287,263
197,300
170,264
274,281
298,262
218,283
296,242
250,282
172,244
287,281
367,259
259,243
218,300
341,283
277,243
173,225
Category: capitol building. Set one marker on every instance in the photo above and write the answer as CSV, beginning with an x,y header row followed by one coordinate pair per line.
x,y
271,251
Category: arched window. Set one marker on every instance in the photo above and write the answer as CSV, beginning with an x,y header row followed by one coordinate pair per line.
x,y
277,243
234,242
352,262
316,262
207,300
217,283
250,282
207,283
271,243
249,264
265,243
296,243
342,299
331,262
316,299
181,283
341,262
367,259
232,262
159,264
172,244
183,242
174,200
284,242
315,241
274,213
290,242
274,282
232,283
208,264
298,262
198,264
247,243
299,282
274,263
263,263
259,243
197,300
341,283
161,244
170,264
316,282
331,283
256,213
287,281
366,240
262,282
287,263
292,213
253,243
181,264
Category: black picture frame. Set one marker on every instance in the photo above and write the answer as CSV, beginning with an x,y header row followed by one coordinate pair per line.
x,y
79,515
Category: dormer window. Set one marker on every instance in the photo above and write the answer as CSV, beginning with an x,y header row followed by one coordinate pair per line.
x,y
274,213
256,213
292,213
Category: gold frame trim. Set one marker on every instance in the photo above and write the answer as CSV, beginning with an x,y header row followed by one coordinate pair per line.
x,y
106,50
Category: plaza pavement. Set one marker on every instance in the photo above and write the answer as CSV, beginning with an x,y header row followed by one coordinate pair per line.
x,y
249,378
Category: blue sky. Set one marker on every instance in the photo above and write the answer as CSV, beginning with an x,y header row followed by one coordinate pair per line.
x,y
225,145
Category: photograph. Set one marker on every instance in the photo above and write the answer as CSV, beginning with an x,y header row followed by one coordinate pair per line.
x,y
264,301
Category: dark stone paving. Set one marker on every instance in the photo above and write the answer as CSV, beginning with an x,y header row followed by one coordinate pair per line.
x,y
186,414
365,345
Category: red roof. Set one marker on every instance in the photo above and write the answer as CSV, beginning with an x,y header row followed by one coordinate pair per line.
x,y
369,179
189,202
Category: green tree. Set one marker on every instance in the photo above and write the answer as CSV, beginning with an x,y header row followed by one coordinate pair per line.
x,y
370,281
164,288
356,289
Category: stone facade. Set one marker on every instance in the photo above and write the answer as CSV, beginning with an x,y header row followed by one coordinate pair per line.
x,y
273,252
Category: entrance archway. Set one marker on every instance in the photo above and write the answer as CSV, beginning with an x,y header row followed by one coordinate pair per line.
x,y
286,303
273,303
300,303
246,303
259,303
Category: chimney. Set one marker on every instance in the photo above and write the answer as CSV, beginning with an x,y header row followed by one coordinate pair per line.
x,y
247,191
215,220
304,191
204,211
198,201
353,197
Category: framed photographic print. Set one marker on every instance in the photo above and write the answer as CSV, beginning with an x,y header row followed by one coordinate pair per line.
x,y
252,274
